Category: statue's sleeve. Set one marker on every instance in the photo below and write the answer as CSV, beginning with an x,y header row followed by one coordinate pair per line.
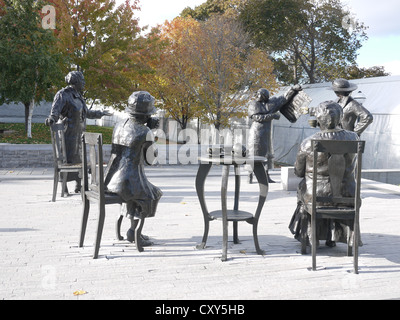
x,y
94,114
58,105
276,103
365,118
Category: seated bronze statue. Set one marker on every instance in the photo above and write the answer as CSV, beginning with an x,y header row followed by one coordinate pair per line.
x,y
125,176
329,115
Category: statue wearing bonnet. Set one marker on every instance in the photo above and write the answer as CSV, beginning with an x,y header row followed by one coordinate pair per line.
x,y
131,144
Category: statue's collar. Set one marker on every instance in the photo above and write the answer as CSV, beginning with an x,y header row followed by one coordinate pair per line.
x,y
343,101
75,93
331,130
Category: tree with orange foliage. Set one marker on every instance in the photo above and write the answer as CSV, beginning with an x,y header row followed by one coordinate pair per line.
x,y
211,64
164,56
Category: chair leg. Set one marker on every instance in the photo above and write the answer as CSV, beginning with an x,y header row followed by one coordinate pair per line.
x,y
355,258
55,184
64,184
356,239
100,226
314,242
85,215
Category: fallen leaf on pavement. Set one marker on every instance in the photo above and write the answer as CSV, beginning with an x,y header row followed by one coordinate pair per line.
x,y
79,292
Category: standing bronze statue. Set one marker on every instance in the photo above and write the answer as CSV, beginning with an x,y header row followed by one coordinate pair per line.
x,y
355,117
328,116
131,145
69,106
262,110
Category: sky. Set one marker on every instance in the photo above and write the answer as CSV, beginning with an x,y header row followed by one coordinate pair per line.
x,y
382,18
383,46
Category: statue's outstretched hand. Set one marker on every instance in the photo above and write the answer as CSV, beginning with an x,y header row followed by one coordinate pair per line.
x,y
107,113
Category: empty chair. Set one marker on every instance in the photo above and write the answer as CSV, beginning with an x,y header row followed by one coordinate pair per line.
x,y
93,188
61,167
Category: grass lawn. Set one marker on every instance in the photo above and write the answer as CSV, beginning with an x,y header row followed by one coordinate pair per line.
x,y
15,133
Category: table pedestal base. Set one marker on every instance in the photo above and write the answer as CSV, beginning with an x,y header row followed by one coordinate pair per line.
x,y
234,215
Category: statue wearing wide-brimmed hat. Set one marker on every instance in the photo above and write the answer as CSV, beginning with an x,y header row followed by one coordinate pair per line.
x,y
355,117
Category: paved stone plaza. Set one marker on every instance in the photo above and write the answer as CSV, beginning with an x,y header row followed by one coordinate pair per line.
x,y
41,258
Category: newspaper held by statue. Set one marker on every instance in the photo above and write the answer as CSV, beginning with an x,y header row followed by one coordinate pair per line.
x,y
296,107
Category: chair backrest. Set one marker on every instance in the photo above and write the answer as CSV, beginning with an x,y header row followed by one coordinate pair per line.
x,y
337,151
58,143
92,159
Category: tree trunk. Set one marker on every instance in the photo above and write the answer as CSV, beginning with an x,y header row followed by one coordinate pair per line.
x,y
198,130
28,123
217,122
31,105
296,69
26,104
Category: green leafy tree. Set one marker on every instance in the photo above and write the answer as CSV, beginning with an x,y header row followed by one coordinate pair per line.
x,y
102,39
29,63
203,11
307,37
354,72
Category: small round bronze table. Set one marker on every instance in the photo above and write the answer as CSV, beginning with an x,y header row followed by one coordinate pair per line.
x,y
235,215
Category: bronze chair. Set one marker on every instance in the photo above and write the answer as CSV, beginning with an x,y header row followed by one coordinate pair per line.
x,y
93,189
336,206
61,167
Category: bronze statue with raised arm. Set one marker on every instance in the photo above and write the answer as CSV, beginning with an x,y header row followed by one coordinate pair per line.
x,y
262,110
